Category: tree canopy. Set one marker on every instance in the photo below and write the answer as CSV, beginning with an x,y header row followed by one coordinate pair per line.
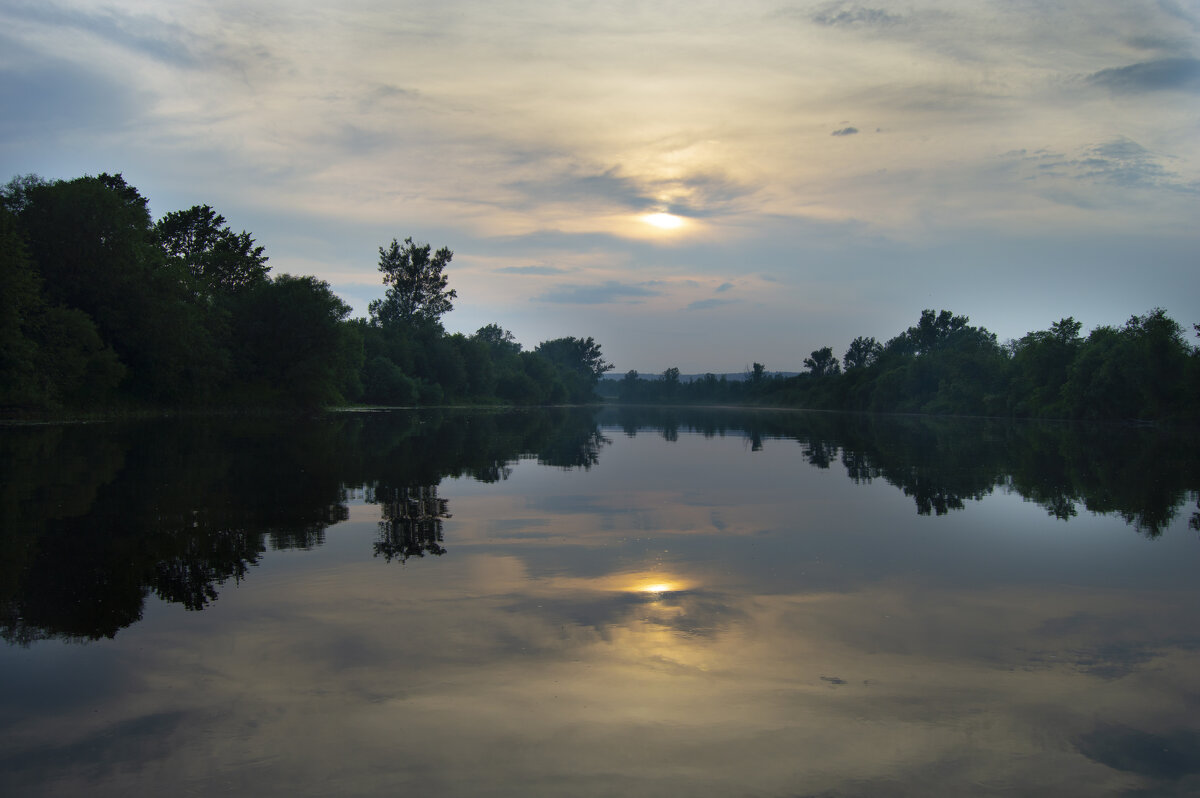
x,y
417,291
219,260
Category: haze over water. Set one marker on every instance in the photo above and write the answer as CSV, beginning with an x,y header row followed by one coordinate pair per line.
x,y
636,602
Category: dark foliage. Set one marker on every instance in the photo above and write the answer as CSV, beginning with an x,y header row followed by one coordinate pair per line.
x,y
102,309
1145,370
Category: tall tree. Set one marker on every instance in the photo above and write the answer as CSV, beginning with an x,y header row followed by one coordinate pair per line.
x,y
931,332
296,346
581,355
498,338
861,353
822,363
219,260
670,382
579,362
417,292
92,242
20,303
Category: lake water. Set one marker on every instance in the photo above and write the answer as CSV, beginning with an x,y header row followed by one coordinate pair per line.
x,y
598,602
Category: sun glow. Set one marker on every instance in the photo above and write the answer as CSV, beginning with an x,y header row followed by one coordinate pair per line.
x,y
663,221
656,584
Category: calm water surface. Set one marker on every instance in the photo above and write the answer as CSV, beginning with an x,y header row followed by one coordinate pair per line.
x,y
580,602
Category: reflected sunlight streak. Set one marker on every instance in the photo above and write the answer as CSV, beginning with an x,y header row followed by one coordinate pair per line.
x,y
656,584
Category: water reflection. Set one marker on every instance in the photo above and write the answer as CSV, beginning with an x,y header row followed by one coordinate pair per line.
x,y
571,603
97,517
412,522
1144,475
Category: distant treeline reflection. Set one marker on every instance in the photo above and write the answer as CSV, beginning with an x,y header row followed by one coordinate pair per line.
x,y
1144,475
96,517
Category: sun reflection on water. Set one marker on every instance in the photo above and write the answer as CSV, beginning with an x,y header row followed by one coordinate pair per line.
x,y
654,584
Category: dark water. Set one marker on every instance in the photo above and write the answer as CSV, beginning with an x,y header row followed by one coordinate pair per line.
x,y
634,603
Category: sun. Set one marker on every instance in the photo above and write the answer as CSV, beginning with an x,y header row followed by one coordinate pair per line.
x,y
664,221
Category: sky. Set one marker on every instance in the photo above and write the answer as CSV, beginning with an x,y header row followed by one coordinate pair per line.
x,y
699,185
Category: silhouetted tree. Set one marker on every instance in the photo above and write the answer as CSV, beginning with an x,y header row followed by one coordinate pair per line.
x,y
670,383
579,362
295,346
822,363
417,292
219,260
93,245
861,353
498,338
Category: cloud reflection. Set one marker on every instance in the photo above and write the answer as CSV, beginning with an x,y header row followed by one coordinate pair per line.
x,y
840,693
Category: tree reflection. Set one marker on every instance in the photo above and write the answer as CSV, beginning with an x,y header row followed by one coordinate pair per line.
x,y
412,523
1144,476
97,517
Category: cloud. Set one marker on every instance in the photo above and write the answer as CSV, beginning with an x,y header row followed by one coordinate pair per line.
x,y
703,195
847,15
846,131
1120,162
1168,756
723,287
1168,74
1124,162
1165,75
165,42
608,185
707,304
694,195
602,294
125,745
540,270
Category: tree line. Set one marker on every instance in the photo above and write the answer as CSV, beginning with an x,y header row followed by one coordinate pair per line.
x,y
1143,370
102,307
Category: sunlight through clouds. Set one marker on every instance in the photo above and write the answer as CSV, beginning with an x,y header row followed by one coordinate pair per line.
x,y
663,221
